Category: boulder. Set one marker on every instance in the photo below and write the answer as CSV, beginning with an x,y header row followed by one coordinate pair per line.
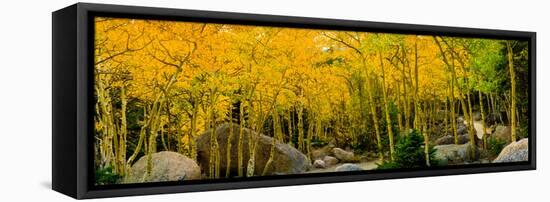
x,y
320,153
166,166
348,167
343,155
453,154
461,129
447,139
329,160
450,139
286,159
503,133
514,152
319,164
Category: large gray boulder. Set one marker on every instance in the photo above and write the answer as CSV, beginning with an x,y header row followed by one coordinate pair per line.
x,y
453,154
348,167
287,160
514,152
166,166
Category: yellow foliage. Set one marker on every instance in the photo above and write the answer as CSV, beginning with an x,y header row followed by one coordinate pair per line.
x,y
215,66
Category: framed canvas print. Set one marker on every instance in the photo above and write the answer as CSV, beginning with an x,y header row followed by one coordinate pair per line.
x,y
154,100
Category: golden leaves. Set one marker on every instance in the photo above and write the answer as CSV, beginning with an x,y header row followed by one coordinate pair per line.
x,y
293,66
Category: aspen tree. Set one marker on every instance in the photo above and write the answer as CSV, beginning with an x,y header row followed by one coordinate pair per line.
x,y
513,124
386,109
482,111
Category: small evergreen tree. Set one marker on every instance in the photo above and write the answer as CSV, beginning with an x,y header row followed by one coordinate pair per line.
x,y
409,153
106,175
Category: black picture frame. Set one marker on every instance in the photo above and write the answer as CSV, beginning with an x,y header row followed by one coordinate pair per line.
x,y
72,98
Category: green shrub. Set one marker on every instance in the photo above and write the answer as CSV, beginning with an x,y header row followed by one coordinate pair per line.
x,y
388,165
495,145
409,153
106,175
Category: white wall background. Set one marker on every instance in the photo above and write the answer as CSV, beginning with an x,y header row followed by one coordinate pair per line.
x,y
25,99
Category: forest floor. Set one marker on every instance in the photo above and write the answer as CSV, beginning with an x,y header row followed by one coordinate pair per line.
x,y
373,164
365,165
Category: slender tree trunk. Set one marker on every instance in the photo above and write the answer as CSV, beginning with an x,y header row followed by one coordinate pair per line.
x,y
228,150
277,127
386,109
470,111
251,164
300,128
376,125
446,115
406,102
290,130
426,136
372,105
214,147
123,131
276,135
310,126
240,143
493,105
417,110
400,110
319,131
179,136
162,139
191,136
472,135
168,122
140,141
488,110
507,107
108,137
153,132
513,91
363,110
483,120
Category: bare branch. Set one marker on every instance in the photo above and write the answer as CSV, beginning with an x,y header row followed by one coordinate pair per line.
x,y
343,42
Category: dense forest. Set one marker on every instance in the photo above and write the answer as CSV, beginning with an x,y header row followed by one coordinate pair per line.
x,y
188,101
